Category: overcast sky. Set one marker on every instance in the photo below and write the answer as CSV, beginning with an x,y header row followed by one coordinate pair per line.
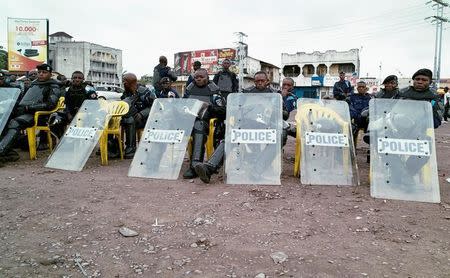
x,y
391,32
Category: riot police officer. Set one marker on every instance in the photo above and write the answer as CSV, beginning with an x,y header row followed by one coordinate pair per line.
x,y
76,93
205,90
390,89
166,89
205,170
43,95
140,100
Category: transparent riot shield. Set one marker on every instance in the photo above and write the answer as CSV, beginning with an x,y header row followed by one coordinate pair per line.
x,y
402,151
80,137
253,138
166,134
327,154
8,98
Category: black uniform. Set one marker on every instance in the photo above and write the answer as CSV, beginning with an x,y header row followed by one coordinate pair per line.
x,y
402,124
385,94
74,98
140,104
216,109
41,96
227,82
205,170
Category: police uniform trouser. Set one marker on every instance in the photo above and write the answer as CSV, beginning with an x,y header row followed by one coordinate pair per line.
x,y
199,136
13,129
129,125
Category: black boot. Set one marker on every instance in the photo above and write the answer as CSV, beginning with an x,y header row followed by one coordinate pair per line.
x,y
8,140
198,154
113,148
43,144
130,141
11,156
366,138
205,170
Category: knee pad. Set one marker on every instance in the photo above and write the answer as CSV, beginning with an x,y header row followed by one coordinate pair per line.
x,y
13,124
127,120
200,126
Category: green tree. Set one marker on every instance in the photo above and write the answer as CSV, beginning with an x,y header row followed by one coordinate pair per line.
x,y
146,79
3,59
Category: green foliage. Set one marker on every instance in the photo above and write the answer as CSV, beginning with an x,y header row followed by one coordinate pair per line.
x,y
3,59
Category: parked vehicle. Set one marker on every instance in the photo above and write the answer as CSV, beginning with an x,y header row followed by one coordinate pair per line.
x,y
109,92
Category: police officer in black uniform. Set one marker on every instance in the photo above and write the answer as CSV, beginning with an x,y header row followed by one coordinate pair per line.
x,y
140,100
226,80
76,93
205,170
43,95
204,90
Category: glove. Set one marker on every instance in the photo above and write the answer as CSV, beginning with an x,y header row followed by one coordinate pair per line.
x,y
218,100
365,113
138,117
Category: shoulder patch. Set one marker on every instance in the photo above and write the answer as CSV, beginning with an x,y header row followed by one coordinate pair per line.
x,y
213,87
190,86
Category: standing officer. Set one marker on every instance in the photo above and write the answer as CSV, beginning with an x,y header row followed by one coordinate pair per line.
x,y
342,89
226,80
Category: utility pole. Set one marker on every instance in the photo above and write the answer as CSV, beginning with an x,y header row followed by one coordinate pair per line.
x,y
438,19
242,49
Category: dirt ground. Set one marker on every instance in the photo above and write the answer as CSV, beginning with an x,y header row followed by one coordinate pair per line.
x,y
65,224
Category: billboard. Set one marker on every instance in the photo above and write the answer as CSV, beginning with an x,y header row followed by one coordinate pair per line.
x,y
211,60
27,43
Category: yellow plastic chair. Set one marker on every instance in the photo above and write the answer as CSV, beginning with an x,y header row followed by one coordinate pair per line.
x,y
116,110
209,142
316,112
31,131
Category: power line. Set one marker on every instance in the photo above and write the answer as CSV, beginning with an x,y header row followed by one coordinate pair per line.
x,y
439,20
338,32
408,12
391,29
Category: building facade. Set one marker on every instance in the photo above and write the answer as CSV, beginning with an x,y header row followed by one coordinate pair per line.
x,y
315,73
101,65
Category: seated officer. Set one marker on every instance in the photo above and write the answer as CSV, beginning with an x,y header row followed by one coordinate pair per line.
x,y
205,170
167,91
205,90
140,100
76,93
42,95
358,103
420,90
403,123
390,89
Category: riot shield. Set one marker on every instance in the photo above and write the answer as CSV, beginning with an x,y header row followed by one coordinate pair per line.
x,y
8,98
327,154
253,138
402,151
166,134
80,137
